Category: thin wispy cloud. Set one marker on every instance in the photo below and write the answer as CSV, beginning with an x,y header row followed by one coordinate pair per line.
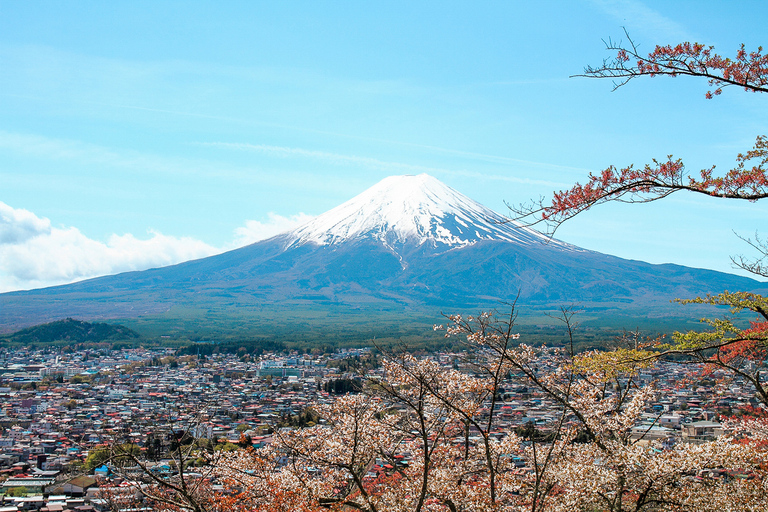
x,y
59,78
53,148
333,158
640,19
125,160
531,81
148,87
501,159
387,166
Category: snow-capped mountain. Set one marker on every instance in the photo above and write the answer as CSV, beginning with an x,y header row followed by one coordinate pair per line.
x,y
407,244
414,210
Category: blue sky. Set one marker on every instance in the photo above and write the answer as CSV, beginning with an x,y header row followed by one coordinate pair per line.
x,y
137,134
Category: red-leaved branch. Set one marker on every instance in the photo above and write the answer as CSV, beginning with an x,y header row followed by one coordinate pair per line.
x,y
747,180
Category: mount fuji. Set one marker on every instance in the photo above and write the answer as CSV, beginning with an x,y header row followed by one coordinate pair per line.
x,y
408,244
412,210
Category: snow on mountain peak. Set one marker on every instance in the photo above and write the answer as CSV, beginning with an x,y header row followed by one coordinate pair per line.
x,y
415,210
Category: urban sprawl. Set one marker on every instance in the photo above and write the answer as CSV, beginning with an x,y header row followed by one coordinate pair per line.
x,y
58,407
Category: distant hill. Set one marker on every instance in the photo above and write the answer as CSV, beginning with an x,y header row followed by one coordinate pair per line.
x,y
73,331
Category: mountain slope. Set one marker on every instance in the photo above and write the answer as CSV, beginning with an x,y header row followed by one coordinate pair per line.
x,y
408,244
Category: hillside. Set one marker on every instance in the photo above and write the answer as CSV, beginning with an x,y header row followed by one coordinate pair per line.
x,y
72,331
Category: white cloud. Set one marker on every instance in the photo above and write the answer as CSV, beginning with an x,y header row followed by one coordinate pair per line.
x,y
34,255
255,230
17,225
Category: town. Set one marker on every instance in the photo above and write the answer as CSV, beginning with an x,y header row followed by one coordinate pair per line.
x,y
61,408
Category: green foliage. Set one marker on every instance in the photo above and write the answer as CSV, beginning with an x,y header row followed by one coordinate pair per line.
x,y
154,447
71,331
342,386
97,458
226,447
358,364
181,438
610,365
255,347
119,455
306,418
738,301
529,432
694,340
17,492
722,330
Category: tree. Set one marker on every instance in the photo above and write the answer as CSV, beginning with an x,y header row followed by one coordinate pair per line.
x,y
118,455
741,351
17,492
342,386
426,437
747,180
245,441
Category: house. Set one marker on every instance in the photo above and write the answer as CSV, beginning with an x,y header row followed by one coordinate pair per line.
x,y
75,487
699,431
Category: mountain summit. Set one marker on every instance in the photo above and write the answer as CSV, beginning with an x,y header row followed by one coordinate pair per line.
x,y
408,244
411,209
